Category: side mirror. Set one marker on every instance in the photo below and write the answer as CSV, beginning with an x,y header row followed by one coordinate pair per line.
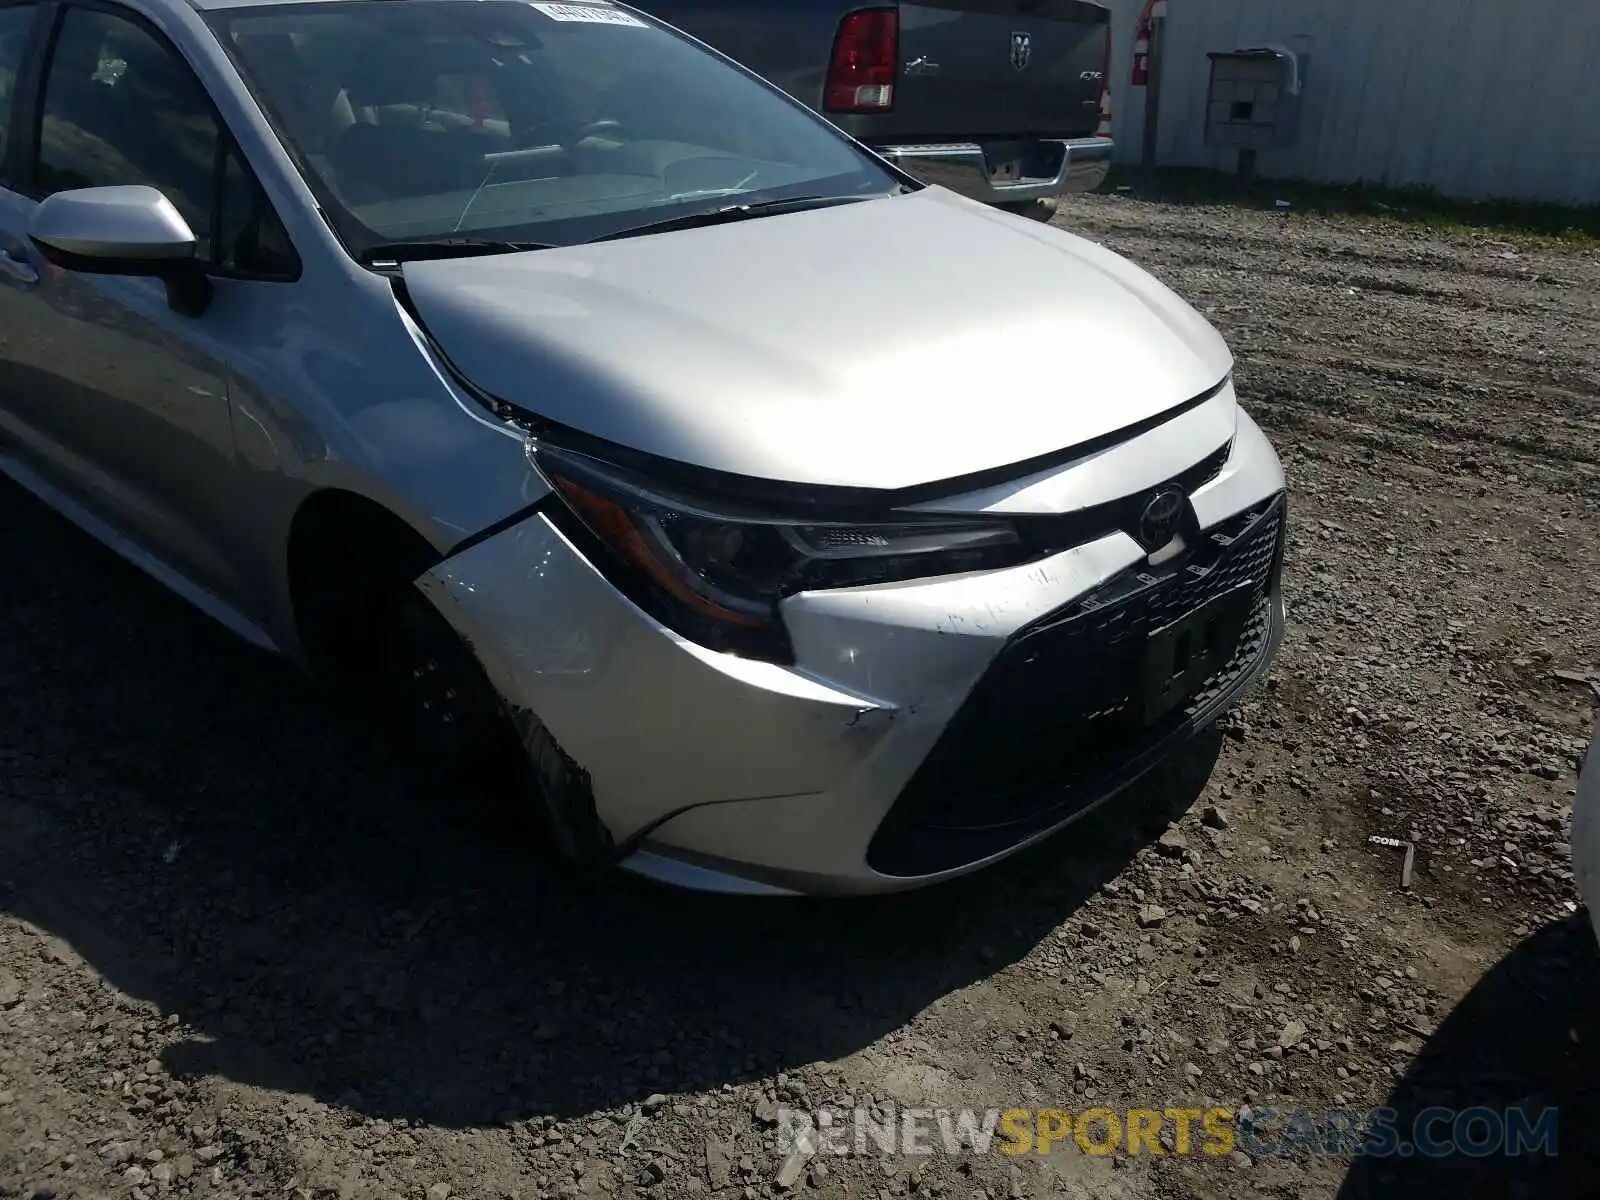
x,y
124,230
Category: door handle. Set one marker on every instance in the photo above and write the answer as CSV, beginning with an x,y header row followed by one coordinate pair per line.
x,y
17,270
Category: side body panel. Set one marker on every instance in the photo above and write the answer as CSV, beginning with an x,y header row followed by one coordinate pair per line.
x,y
276,391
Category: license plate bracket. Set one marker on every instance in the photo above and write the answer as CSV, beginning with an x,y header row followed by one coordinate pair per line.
x,y
1008,171
1181,656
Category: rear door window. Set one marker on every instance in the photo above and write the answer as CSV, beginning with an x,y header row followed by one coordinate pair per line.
x,y
16,26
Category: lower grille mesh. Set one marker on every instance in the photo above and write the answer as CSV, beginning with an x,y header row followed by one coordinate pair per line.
x,y
1058,715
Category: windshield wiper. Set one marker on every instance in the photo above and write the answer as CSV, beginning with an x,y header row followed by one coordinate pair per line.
x,y
725,213
445,247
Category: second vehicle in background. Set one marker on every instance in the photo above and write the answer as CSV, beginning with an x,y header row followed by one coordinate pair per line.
x,y
1004,101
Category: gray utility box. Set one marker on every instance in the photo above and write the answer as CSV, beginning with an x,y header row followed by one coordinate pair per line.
x,y
1254,98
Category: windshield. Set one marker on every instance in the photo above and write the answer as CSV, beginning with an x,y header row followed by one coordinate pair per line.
x,y
539,122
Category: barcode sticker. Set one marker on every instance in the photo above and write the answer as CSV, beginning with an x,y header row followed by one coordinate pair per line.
x,y
589,13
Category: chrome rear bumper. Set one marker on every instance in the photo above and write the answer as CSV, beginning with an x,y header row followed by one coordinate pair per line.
x,y
964,168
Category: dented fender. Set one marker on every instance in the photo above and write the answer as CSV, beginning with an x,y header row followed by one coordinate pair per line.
x,y
636,722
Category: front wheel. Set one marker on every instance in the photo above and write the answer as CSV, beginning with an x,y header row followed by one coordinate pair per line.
x,y
434,698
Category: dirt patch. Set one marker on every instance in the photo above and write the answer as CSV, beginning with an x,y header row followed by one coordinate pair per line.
x,y
240,956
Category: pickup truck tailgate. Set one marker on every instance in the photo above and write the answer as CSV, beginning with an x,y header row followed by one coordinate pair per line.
x,y
998,68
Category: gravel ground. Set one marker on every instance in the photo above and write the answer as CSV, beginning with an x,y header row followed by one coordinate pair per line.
x,y
240,956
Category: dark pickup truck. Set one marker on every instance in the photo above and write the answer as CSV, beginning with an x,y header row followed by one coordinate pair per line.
x,y
1001,100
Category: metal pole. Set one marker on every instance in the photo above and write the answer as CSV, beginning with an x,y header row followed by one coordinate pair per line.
x,y
1152,94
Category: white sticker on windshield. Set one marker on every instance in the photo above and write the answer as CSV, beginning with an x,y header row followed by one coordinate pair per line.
x,y
589,13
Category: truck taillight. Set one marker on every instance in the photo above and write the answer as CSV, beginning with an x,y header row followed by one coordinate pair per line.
x,y
862,69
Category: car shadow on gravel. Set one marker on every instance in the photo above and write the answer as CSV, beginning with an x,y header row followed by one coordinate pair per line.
x,y
1527,1036
210,838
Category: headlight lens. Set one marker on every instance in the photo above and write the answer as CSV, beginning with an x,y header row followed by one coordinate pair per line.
x,y
718,577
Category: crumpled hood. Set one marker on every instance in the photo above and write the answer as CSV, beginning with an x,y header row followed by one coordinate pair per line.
x,y
883,344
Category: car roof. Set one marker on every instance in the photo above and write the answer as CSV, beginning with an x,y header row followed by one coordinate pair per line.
x,y
216,5
213,5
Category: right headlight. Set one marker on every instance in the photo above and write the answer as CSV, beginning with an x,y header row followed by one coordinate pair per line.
x,y
717,573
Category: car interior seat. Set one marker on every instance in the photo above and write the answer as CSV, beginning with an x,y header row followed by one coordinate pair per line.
x,y
392,149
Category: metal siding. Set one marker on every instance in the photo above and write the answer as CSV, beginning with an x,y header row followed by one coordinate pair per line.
x,y
1476,98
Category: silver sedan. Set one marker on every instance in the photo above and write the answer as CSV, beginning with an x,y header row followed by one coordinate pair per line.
x,y
650,455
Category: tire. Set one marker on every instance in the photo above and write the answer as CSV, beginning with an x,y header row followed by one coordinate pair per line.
x,y
1038,210
434,700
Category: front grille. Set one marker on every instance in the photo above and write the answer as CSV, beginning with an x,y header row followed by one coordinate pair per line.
x,y
1059,716
1052,534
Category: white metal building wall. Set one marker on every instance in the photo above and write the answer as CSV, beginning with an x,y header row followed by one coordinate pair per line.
x,y
1127,102
1476,98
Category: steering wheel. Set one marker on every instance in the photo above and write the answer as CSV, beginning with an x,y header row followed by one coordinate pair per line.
x,y
605,127
566,130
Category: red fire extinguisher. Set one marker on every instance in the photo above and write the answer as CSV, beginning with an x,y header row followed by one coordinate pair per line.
x,y
1142,33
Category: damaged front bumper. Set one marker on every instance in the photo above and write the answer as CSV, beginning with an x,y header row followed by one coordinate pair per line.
x,y
721,773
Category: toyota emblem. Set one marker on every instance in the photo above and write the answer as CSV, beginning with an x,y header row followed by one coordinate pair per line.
x,y
1158,524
